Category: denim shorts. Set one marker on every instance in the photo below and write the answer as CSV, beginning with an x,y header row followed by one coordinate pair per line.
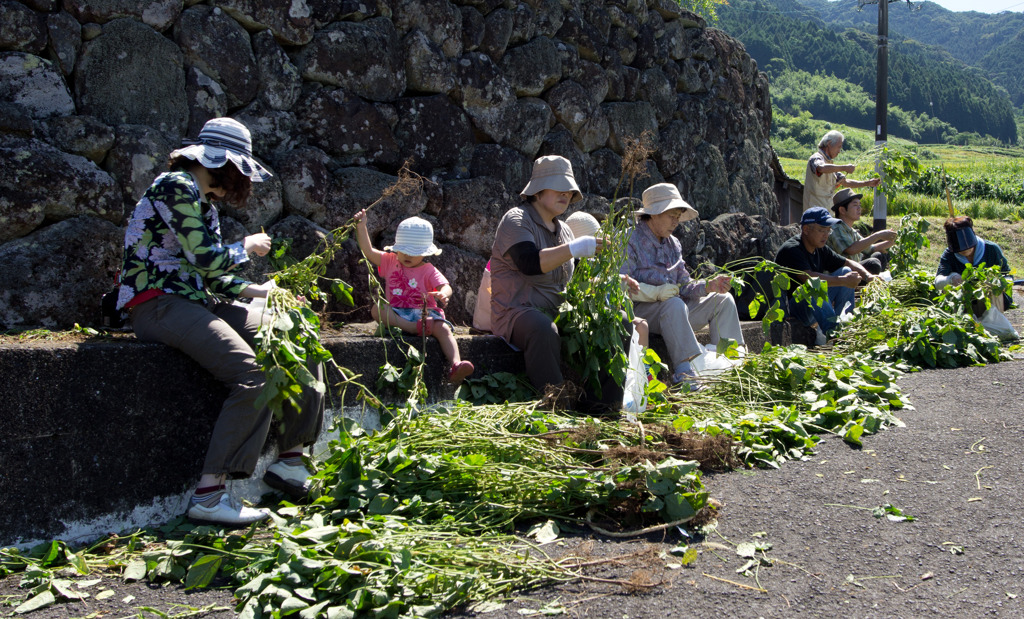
x,y
414,314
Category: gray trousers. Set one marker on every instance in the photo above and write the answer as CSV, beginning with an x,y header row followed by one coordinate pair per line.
x,y
221,340
676,320
537,336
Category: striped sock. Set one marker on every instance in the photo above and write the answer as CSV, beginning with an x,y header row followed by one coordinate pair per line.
x,y
291,458
207,496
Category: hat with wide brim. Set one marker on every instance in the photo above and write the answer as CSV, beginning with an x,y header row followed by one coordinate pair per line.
x,y
665,197
222,140
583,224
552,172
843,197
415,237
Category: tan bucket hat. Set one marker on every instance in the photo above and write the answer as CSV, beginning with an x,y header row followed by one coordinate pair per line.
x,y
552,172
583,224
665,197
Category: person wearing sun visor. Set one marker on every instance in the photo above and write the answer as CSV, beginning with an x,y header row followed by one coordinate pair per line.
x,y
964,247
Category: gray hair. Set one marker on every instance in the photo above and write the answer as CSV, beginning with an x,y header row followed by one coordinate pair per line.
x,y
830,138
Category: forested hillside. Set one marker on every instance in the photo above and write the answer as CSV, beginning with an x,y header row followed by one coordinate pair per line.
x,y
784,35
992,42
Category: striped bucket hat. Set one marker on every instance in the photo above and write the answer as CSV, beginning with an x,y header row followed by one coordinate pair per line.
x,y
415,237
222,140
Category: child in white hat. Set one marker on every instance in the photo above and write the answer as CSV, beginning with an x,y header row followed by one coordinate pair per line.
x,y
410,285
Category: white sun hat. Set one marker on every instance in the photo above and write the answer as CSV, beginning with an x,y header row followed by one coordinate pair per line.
x,y
222,140
552,172
665,197
583,224
415,237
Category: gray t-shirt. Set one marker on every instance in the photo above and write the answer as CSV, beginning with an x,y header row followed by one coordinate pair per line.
x,y
512,292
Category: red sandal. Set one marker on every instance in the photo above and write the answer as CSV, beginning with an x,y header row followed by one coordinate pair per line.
x,y
460,371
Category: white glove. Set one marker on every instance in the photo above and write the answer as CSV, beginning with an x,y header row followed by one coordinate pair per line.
x,y
667,291
583,247
650,293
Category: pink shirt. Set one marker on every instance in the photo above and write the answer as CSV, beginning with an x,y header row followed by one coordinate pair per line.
x,y
408,287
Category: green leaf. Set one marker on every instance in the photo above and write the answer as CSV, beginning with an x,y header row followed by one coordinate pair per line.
x,y
202,572
135,570
44,599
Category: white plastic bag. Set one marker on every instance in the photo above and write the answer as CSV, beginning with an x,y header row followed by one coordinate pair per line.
x,y
709,362
634,392
996,323
482,311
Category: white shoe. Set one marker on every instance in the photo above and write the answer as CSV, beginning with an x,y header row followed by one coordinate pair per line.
x,y
819,336
227,511
291,480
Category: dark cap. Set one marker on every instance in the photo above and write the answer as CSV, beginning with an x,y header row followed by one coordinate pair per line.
x,y
843,197
818,215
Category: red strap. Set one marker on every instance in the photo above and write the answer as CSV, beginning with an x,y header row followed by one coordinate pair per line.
x,y
142,297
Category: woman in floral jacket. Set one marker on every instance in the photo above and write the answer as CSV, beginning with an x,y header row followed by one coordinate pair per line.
x,y
177,284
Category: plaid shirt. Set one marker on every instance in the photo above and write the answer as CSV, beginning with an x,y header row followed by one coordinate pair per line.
x,y
650,260
173,244
843,235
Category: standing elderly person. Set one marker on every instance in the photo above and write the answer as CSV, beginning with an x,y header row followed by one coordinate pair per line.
x,y
809,256
531,263
822,176
870,251
177,283
670,301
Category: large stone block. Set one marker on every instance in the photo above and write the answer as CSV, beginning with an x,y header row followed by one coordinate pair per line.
x,y
138,156
427,69
432,133
39,182
292,23
54,277
220,47
347,127
21,29
471,212
280,81
485,94
532,68
363,58
630,121
130,74
81,135
65,40
35,84
158,14
440,20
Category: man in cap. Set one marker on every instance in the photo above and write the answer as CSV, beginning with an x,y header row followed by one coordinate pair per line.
x,y
822,176
808,255
870,251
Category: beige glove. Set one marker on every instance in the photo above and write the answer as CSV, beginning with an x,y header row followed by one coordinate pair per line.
x,y
650,293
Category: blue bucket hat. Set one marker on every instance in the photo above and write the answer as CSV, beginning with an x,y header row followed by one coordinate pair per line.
x,y
818,215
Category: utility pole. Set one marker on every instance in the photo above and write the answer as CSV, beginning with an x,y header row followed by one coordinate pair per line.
x,y
881,108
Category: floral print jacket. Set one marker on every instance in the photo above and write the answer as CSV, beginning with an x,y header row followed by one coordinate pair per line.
x,y
173,245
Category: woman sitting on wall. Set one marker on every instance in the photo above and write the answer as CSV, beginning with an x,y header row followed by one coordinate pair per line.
x,y
531,263
177,285
672,303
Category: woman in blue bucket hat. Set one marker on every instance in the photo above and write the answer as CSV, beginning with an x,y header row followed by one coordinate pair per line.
x,y
177,284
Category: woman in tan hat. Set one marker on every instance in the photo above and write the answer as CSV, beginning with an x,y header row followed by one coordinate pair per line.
x,y
531,263
177,283
672,303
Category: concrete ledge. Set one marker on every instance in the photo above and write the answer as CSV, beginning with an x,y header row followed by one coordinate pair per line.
x,y
96,427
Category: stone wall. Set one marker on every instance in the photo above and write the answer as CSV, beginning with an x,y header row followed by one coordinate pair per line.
x,y
338,94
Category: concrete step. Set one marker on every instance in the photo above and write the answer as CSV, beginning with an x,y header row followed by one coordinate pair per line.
x,y
97,428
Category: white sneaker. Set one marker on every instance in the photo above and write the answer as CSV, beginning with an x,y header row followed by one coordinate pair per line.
x,y
291,480
819,336
227,511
